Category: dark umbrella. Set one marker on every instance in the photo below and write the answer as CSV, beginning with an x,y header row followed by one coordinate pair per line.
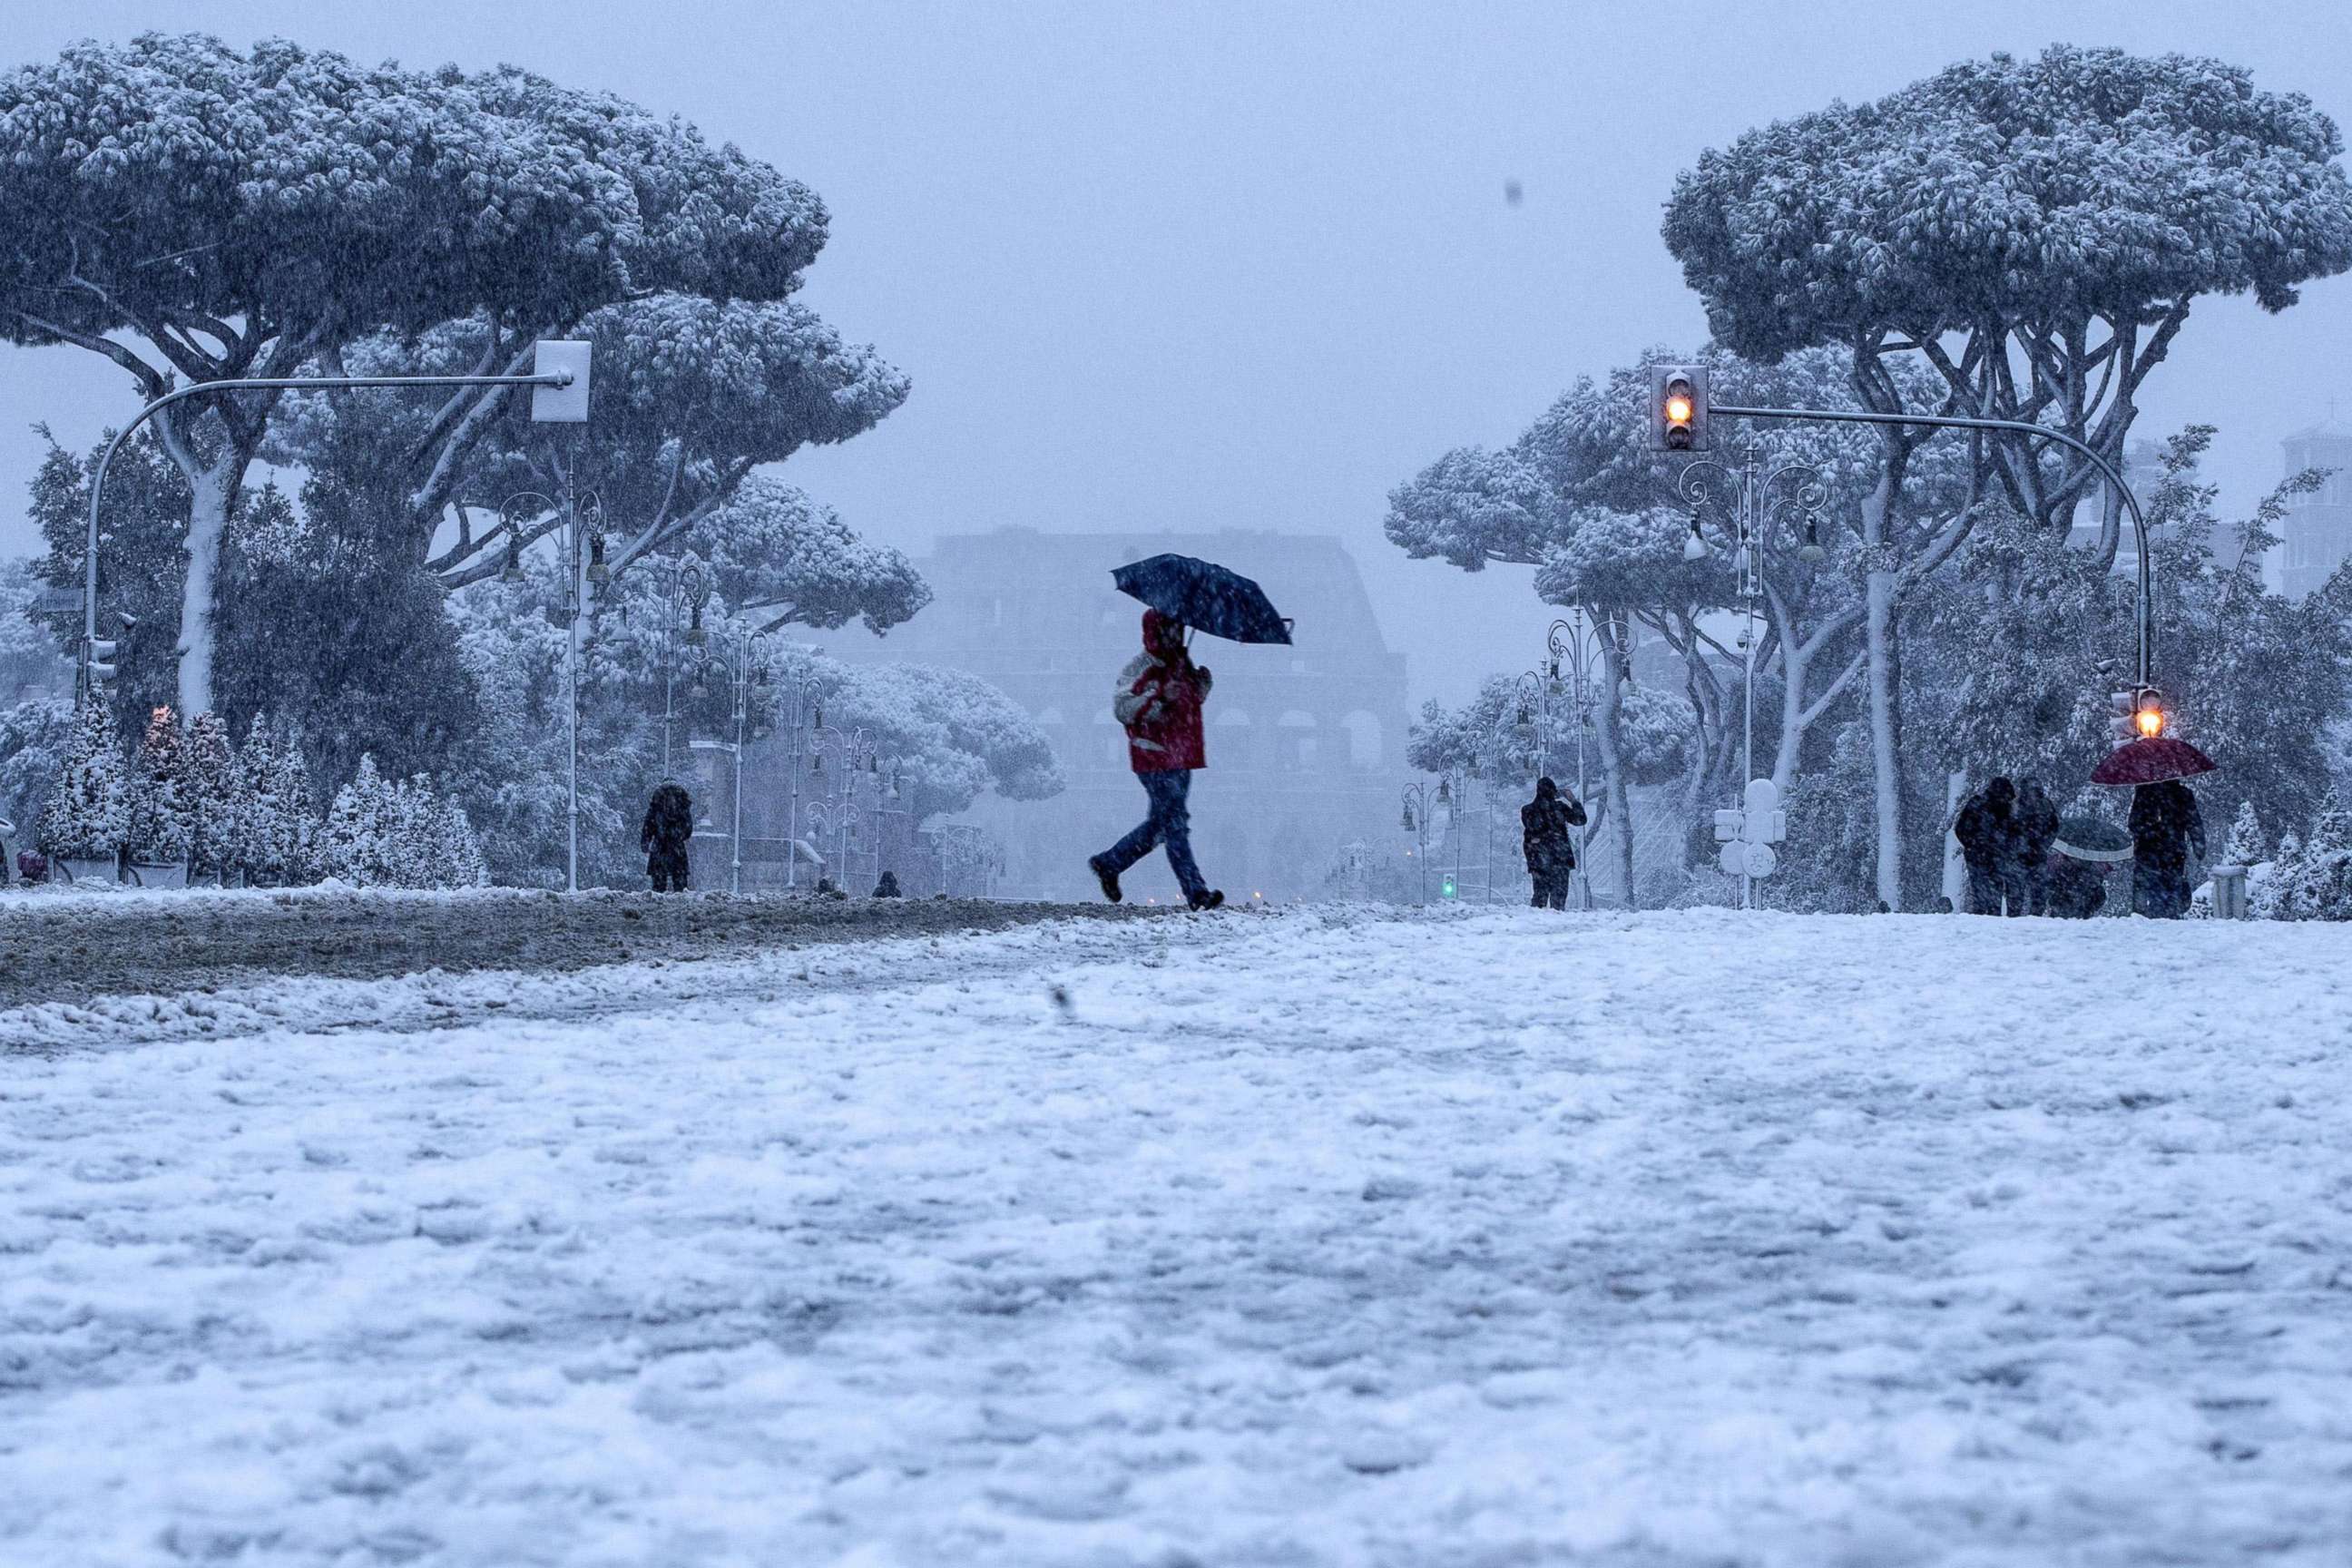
x,y
1205,596
2146,762
2088,838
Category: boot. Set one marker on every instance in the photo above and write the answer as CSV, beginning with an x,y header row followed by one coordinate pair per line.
x,y
1105,876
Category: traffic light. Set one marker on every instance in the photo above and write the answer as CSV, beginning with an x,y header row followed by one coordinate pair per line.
x,y
1446,889
2137,715
96,659
1677,408
2122,706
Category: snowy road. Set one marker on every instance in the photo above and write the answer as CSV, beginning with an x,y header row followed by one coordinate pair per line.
x,y
1667,1240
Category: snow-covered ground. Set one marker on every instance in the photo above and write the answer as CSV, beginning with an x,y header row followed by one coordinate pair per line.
x,y
1310,1238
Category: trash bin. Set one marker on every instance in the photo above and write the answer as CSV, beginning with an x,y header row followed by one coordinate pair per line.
x,y
2229,893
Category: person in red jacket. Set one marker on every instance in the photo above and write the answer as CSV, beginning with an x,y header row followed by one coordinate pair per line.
x,y
1158,698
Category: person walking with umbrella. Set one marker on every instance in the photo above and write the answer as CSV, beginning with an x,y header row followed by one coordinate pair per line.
x,y
1158,700
2165,825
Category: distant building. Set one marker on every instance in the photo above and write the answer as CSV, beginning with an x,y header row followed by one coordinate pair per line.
x,y
1306,743
2317,529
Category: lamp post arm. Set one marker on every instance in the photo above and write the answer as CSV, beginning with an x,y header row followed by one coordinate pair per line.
x,y
257,383
2017,426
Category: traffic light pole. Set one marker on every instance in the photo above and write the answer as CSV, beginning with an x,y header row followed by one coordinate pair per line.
x,y
247,384
2107,471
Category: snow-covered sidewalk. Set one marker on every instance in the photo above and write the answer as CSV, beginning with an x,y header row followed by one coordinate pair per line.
x,y
1310,1238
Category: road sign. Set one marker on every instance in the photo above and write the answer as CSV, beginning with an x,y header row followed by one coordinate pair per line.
x,y
1762,860
1733,857
568,403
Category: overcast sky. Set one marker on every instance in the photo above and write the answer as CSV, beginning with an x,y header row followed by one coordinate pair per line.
x,y
1251,264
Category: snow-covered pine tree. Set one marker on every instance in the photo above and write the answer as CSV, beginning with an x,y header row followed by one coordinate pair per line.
x,y
350,841
458,849
161,823
2248,845
303,830
215,801
2321,885
89,813
260,817
414,857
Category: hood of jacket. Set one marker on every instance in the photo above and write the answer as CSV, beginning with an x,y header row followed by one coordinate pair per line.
x,y
1163,636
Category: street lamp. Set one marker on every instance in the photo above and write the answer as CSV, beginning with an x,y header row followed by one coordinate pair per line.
x,y
558,395
1754,512
581,542
1416,821
1532,713
853,756
736,661
680,589
1574,645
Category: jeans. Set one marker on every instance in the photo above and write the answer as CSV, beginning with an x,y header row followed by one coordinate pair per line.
x,y
1169,822
1991,886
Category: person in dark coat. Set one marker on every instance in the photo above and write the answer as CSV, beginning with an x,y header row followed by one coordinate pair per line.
x,y
669,822
2165,827
1987,829
1158,699
2037,830
1549,846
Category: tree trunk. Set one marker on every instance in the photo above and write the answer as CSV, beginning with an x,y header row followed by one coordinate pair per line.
x,y
213,494
1613,771
1886,726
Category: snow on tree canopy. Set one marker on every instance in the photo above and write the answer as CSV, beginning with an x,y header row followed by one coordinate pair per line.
x,y
190,212
2080,183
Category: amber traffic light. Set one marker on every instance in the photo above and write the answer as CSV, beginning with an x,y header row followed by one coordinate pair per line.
x,y
1677,408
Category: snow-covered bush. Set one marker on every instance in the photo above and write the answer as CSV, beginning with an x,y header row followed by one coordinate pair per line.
x,y
215,801
358,843
381,833
276,822
162,825
88,812
33,740
2312,878
2248,843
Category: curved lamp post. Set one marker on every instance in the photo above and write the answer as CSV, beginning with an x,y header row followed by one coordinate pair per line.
x,y
581,544
1754,510
1574,646
562,372
680,588
1417,800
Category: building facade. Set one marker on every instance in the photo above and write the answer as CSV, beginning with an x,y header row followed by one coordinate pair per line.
x,y
1306,743
2316,532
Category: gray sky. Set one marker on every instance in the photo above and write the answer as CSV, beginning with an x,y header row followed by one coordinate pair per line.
x,y
1251,264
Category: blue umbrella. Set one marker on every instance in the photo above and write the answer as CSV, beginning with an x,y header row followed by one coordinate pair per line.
x,y
1205,596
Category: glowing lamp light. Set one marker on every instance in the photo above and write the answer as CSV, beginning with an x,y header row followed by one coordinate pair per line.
x,y
1678,408
2149,722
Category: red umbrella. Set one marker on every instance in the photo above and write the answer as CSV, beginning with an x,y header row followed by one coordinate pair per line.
x,y
2145,762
